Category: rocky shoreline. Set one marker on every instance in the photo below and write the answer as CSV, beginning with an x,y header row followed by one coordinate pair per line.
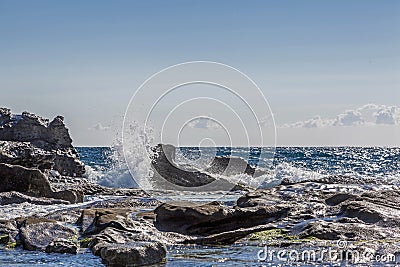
x,y
39,166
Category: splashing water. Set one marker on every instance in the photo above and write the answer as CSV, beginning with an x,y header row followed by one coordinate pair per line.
x,y
128,161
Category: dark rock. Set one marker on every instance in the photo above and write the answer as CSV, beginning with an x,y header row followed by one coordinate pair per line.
x,y
62,246
13,197
169,176
164,165
133,254
21,179
230,166
38,233
32,182
258,198
214,218
338,198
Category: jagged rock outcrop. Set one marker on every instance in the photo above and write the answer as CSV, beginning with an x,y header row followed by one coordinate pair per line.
x,y
33,141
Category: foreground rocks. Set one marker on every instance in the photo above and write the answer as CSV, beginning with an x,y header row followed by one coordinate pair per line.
x,y
122,241
121,234
47,235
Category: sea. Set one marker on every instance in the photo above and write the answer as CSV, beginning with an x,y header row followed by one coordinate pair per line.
x,y
371,166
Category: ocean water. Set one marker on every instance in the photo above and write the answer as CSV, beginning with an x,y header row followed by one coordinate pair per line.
x,y
382,165
107,167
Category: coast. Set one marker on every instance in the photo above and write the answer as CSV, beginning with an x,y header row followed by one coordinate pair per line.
x,y
39,166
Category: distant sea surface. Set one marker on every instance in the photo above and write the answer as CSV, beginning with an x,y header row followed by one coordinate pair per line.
x,y
296,163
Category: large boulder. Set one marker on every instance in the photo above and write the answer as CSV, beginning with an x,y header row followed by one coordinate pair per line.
x,y
44,234
170,176
127,248
121,241
32,182
21,179
164,165
214,218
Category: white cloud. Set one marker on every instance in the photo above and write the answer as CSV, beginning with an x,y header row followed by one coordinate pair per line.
x,y
369,114
100,127
203,123
349,118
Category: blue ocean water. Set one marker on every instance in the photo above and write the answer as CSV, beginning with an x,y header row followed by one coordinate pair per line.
x,y
378,163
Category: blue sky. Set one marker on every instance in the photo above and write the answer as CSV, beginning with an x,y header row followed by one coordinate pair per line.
x,y
84,59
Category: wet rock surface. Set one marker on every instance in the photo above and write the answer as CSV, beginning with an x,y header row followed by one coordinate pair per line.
x,y
120,232
39,233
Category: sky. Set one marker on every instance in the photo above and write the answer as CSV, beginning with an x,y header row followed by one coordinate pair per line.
x,y
330,71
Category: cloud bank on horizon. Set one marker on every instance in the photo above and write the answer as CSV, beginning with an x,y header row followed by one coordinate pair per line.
x,y
367,115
